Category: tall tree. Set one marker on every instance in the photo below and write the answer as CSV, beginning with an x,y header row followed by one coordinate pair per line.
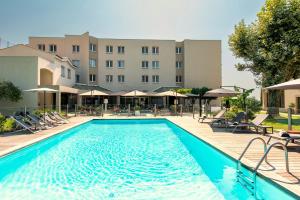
x,y
9,92
270,46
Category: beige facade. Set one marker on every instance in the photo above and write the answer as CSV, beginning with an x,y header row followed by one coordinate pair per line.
x,y
124,64
284,100
28,68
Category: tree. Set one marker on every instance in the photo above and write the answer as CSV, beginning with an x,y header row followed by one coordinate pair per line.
x,y
270,46
9,92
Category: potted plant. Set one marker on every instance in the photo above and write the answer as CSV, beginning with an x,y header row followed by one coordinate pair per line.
x,y
137,110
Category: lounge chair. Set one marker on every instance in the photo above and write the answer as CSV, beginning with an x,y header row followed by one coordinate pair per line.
x,y
58,117
50,120
24,124
218,116
225,123
36,120
255,123
286,136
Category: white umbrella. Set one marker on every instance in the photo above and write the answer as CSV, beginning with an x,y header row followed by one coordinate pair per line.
x,y
135,93
170,94
221,92
293,84
94,93
44,90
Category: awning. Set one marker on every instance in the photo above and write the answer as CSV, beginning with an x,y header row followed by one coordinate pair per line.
x,y
135,93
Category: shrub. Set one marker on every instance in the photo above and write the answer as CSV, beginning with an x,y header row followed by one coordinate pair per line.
x,y
230,114
2,120
8,125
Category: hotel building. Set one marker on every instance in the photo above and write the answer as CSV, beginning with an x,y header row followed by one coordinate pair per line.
x,y
77,63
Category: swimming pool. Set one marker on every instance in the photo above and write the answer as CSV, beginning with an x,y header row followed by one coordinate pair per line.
x,y
124,159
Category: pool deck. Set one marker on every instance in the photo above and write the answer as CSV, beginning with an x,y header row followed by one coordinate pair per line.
x,y
227,142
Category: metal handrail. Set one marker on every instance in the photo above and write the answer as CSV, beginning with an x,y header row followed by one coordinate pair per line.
x,y
249,143
268,150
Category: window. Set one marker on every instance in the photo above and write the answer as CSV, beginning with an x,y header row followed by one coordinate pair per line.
x,y
121,78
121,63
155,79
178,79
109,63
109,49
41,47
92,47
92,77
52,48
62,71
178,64
145,79
76,63
69,74
75,48
121,49
178,50
144,50
155,64
92,63
109,78
77,78
155,50
145,64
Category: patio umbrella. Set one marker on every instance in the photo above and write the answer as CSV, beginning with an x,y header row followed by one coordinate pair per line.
x,y
44,90
170,93
293,84
221,92
135,93
94,93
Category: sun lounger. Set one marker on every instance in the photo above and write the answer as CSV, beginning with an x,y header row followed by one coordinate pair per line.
x,y
50,120
25,125
58,117
38,121
218,116
225,123
255,123
283,135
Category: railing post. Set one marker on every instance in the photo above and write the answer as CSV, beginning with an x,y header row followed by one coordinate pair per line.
x,y
67,110
155,110
193,111
180,110
128,110
102,110
75,110
289,118
25,111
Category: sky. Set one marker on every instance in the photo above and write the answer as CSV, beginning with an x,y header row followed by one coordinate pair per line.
x,y
147,19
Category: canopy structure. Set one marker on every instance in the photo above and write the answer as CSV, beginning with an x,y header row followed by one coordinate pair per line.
x,y
94,93
170,94
293,84
135,93
221,92
44,90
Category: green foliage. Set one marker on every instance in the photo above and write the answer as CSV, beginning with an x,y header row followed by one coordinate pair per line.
x,y
184,90
230,114
8,125
136,108
269,46
200,91
2,120
9,92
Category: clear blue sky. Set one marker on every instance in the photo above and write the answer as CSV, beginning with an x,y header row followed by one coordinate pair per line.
x,y
163,19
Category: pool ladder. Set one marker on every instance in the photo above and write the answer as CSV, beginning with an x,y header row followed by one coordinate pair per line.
x,y
249,182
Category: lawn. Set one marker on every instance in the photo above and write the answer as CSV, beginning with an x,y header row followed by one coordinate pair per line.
x,y
281,122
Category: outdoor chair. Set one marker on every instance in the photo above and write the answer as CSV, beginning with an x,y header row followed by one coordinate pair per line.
x,y
216,118
255,123
286,136
225,123
24,124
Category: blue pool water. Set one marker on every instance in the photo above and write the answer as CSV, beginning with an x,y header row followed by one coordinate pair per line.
x,y
124,159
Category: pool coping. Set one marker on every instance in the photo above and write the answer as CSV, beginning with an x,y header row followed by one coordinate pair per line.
x,y
269,176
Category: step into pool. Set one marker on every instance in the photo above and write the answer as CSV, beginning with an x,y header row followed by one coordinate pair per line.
x,y
125,159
